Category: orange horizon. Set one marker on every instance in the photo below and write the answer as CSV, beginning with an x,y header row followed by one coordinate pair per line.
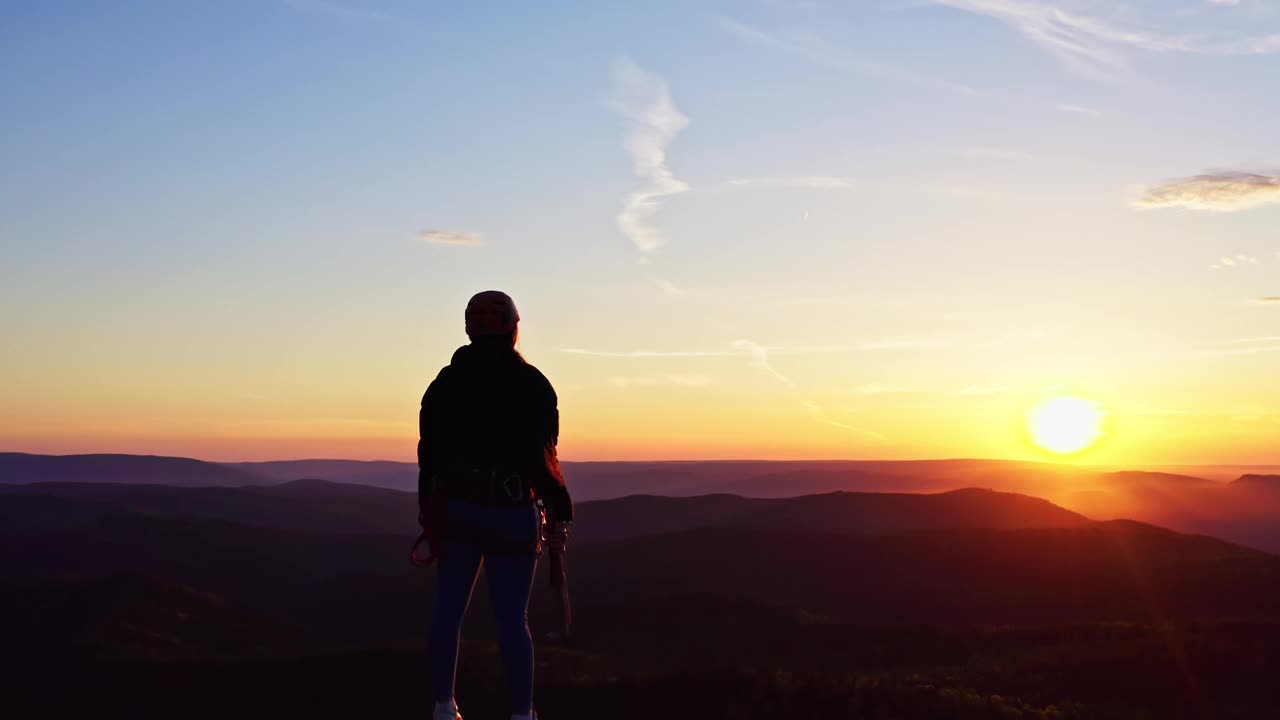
x,y
381,450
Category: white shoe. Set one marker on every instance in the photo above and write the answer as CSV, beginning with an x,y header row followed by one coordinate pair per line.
x,y
446,711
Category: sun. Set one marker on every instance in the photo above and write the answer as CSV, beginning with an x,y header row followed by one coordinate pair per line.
x,y
1065,424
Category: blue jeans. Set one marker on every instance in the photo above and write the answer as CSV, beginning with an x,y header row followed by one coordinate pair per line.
x,y
509,572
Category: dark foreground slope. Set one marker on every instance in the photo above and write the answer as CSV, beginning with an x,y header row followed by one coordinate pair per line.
x,y
1113,571
154,615
338,592
1109,672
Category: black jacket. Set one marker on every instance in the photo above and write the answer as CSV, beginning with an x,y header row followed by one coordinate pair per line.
x,y
489,408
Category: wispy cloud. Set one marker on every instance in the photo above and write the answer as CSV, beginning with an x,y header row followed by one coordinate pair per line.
x,y
983,152
1256,415
1223,191
758,357
1079,110
1266,301
760,360
866,345
747,349
267,426
983,390
1225,3
822,53
793,4
812,182
972,193
449,237
651,353
877,389
353,15
901,344
1230,261
652,118
1252,349
1253,345
687,381
826,300
1077,40
668,287
1094,44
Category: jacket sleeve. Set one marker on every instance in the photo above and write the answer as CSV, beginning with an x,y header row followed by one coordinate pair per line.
x,y
430,439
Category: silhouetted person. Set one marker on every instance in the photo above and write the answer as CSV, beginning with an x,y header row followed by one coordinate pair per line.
x,y
486,453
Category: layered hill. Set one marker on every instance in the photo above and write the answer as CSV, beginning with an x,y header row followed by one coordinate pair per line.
x,y
21,468
837,512
1246,510
331,508
307,505
754,478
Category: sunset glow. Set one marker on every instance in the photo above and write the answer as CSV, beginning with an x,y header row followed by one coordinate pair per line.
x,y
1065,425
769,358
767,230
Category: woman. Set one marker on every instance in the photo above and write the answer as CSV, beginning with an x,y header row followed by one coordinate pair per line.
x,y
486,456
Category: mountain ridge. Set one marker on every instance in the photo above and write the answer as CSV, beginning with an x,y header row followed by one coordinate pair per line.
x,y
326,507
1244,507
28,468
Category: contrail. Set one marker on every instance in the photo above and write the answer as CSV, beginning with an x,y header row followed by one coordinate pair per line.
x,y
760,361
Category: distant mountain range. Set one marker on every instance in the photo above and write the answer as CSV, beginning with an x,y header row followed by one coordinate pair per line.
x,y
837,512
966,603
319,506
107,468
603,480
376,473
1245,510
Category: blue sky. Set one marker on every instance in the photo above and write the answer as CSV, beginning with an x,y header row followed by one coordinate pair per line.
x,y
225,219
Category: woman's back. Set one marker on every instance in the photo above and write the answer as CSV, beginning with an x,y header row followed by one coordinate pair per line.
x,y
490,409
486,452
